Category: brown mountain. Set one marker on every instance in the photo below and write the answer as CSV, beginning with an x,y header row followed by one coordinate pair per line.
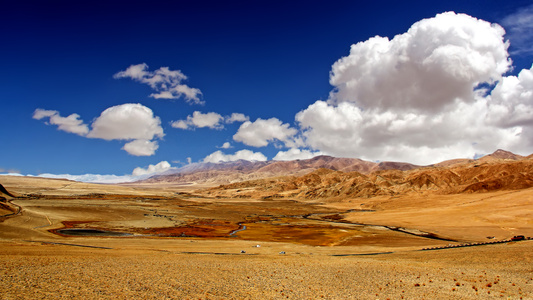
x,y
501,155
499,171
242,170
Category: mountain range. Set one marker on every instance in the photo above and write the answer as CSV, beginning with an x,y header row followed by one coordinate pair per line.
x,y
330,177
243,170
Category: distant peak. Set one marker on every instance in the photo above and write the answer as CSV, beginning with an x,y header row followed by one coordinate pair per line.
x,y
501,151
503,154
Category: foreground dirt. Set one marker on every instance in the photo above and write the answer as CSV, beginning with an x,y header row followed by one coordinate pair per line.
x,y
59,271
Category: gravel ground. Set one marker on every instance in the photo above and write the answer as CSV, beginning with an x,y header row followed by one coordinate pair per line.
x,y
63,272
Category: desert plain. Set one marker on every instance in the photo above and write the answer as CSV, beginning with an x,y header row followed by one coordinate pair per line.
x,y
163,240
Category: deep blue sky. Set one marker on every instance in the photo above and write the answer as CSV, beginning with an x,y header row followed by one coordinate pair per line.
x,y
260,58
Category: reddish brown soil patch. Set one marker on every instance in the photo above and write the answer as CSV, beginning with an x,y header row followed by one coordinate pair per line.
x,y
69,225
200,228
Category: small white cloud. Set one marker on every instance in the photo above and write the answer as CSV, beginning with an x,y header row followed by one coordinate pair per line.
x,y
237,117
295,153
141,147
226,145
261,132
210,120
167,83
72,123
200,120
152,169
219,156
180,124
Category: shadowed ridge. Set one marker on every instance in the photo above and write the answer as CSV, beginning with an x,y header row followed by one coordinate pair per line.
x,y
5,192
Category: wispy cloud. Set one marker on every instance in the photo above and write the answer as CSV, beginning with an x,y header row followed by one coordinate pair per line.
x,y
210,120
519,26
167,83
11,171
72,123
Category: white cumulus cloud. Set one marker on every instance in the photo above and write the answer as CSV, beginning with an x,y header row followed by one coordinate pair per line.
x,y
167,83
132,122
152,169
200,120
296,153
128,121
219,156
416,98
437,62
261,132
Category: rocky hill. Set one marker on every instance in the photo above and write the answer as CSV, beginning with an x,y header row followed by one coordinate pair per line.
x,y
501,170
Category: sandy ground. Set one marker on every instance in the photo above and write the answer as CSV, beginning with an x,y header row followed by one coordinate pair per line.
x,y
323,256
468,217
30,271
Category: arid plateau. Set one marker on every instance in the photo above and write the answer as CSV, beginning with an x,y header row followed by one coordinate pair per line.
x,y
319,228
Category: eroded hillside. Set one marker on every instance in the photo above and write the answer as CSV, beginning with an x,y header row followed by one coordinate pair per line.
x,y
490,173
